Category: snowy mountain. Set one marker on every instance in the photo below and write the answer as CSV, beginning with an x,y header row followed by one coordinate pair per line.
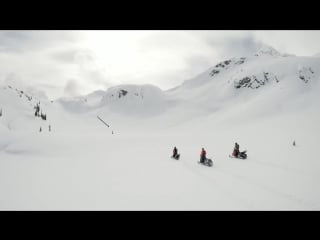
x,y
236,81
222,83
266,50
18,108
111,149
82,103
134,99
210,90
252,72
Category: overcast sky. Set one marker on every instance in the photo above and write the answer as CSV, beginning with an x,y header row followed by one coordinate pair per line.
x,y
70,63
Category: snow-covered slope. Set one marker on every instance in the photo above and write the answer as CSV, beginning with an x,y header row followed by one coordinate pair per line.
x,y
135,99
18,109
82,103
277,82
264,102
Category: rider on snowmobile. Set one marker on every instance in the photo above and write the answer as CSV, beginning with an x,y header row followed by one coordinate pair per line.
x,y
236,150
203,155
175,153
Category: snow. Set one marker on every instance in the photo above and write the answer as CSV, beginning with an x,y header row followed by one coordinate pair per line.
x,y
267,50
81,165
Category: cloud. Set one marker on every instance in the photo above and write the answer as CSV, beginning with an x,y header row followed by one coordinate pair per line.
x,y
77,62
49,63
228,44
25,41
300,43
72,88
235,47
64,56
174,56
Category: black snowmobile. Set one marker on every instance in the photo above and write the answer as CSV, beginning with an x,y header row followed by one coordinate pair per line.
x,y
207,162
241,155
176,157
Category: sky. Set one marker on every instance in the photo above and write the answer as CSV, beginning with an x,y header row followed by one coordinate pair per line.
x,y
71,63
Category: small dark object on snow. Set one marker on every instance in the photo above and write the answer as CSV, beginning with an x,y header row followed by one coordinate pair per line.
x,y
175,154
37,108
177,157
294,143
103,121
43,116
236,150
203,154
237,154
242,155
207,162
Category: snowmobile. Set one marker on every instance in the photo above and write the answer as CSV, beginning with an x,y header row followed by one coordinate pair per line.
x,y
176,157
207,162
241,155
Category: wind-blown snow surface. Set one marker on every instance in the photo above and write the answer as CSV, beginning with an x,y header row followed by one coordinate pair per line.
x,y
262,102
